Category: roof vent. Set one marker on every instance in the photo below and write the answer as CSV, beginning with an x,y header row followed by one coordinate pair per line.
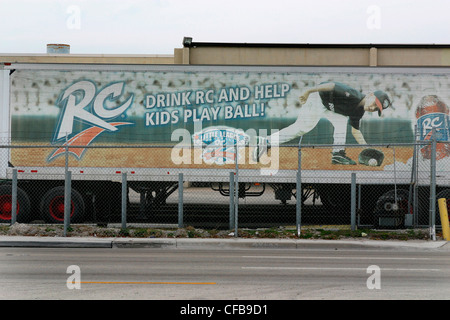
x,y
58,48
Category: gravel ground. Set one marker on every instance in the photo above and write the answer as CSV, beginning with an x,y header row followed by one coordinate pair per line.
x,y
328,232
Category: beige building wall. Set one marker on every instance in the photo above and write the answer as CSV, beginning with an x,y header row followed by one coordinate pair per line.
x,y
414,57
340,55
278,56
263,54
87,58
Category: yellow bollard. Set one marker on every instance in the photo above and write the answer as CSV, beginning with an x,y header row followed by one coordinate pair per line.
x,y
444,218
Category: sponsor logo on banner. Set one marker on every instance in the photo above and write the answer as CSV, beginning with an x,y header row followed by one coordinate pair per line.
x,y
81,102
219,144
438,121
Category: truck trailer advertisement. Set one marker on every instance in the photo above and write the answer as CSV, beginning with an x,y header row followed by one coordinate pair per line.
x,y
156,122
215,108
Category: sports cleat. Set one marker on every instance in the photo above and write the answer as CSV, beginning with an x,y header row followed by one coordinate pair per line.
x,y
340,158
260,149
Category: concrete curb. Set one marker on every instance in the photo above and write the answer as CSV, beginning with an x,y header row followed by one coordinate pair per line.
x,y
55,242
187,243
193,243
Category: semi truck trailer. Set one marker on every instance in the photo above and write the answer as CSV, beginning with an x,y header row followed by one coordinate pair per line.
x,y
157,121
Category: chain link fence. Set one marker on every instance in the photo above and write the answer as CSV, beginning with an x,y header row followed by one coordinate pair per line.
x,y
167,186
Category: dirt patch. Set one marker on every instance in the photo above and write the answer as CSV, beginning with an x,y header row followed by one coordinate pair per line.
x,y
19,229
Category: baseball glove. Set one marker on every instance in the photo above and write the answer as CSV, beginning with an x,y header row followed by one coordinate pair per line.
x,y
371,157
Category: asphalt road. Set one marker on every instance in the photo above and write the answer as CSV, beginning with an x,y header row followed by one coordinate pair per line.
x,y
204,274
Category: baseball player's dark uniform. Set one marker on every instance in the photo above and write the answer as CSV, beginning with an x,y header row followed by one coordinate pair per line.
x,y
344,100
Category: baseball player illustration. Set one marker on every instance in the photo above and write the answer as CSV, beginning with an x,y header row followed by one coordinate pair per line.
x,y
337,102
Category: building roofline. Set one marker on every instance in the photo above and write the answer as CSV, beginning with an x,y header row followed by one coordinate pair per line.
x,y
188,43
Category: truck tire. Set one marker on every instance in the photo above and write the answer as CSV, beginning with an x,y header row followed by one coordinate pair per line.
x,y
23,204
388,208
52,206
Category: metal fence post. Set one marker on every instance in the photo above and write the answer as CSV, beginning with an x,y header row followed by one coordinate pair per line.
x,y
433,187
413,183
180,201
236,190
231,187
417,148
66,156
67,200
298,208
124,200
353,202
14,197
67,189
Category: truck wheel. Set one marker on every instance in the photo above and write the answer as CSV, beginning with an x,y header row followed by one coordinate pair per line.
x,y
52,206
390,211
23,204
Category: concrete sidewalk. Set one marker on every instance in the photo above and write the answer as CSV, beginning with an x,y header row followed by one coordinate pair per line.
x,y
216,243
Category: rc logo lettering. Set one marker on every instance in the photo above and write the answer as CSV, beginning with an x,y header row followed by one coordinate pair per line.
x,y
81,102
438,121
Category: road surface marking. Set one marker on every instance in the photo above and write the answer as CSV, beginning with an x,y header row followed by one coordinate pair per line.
x,y
342,258
340,269
145,282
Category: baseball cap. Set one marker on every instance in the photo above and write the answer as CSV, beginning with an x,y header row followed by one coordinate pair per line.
x,y
382,100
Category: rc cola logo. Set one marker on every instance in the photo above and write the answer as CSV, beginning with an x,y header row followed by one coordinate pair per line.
x,y
219,144
81,102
